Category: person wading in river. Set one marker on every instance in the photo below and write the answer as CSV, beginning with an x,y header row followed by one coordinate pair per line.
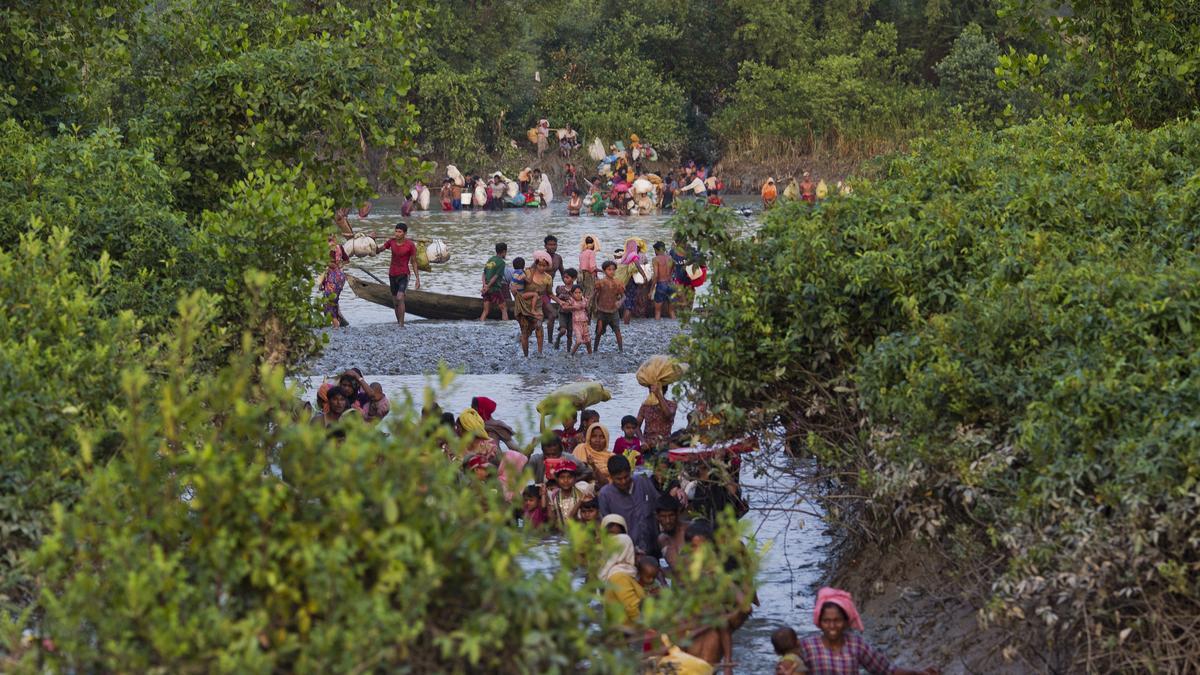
x,y
403,251
835,651
664,281
608,296
528,302
494,293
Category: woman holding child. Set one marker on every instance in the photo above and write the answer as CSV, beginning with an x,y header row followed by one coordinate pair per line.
x,y
528,303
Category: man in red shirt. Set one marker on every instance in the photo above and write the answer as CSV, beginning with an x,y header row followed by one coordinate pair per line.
x,y
403,251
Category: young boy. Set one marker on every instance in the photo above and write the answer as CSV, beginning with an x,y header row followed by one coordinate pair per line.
x,y
630,442
493,283
564,294
609,294
516,276
787,647
562,501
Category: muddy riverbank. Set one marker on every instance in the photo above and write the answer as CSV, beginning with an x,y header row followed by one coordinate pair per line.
x,y
477,348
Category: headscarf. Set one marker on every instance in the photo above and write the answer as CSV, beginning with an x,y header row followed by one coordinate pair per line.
x,y
542,255
623,561
595,243
472,423
598,459
840,598
614,518
484,406
631,252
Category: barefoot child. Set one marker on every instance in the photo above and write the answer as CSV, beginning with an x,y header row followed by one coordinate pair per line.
x,y
564,296
609,294
578,307
493,283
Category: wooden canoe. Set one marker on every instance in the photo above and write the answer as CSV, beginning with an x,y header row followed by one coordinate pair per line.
x,y
440,305
423,303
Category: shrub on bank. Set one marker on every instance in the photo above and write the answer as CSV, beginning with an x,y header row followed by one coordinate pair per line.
x,y
997,338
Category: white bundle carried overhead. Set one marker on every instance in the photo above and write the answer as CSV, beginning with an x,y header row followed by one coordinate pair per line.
x,y
455,175
642,186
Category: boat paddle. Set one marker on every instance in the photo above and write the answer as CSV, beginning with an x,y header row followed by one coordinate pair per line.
x,y
368,273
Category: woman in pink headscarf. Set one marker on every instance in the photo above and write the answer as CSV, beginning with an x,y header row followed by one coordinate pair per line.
x,y
834,651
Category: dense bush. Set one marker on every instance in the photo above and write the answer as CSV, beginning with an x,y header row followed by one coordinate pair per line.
x,y
996,336
967,76
113,198
864,92
60,350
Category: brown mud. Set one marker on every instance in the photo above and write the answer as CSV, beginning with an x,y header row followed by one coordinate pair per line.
x,y
918,613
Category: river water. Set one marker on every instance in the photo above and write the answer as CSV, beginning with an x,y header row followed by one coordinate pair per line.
x,y
788,527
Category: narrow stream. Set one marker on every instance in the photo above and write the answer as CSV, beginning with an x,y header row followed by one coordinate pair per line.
x,y
792,531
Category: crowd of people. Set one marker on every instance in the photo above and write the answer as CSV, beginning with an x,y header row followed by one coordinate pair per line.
x,y
652,510
621,186
639,280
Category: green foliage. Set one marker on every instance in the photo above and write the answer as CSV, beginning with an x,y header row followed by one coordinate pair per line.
x,y
315,89
968,74
998,335
114,199
865,92
260,543
261,251
59,352
1137,61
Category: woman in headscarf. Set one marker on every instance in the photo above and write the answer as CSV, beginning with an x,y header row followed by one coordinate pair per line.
x,y
619,575
593,451
527,303
472,426
834,650
588,267
496,430
543,136
332,283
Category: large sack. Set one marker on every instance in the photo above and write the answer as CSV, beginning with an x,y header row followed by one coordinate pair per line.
x,y
437,252
361,246
660,370
532,135
455,175
822,189
641,186
578,394
422,255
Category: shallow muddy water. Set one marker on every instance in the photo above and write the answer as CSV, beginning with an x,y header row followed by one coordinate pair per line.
x,y
472,235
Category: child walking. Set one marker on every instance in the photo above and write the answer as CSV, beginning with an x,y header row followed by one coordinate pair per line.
x,y
580,320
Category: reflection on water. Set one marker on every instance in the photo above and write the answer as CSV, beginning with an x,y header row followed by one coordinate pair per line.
x,y
471,237
793,530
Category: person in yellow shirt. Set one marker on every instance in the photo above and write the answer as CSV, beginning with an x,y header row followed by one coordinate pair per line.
x,y
621,587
